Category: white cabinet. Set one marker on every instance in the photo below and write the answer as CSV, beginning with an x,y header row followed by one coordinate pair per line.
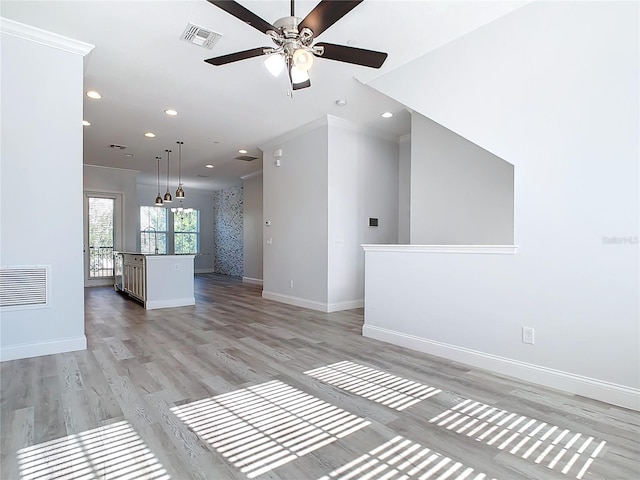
x,y
158,281
133,276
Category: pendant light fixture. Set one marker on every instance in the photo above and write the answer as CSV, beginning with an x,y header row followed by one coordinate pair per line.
x,y
167,196
180,190
158,198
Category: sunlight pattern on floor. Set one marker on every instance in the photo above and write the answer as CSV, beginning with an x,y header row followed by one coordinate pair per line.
x,y
548,445
111,452
389,390
400,458
262,427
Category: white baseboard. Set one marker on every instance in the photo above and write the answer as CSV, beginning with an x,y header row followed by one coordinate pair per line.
x,y
312,305
612,393
336,307
298,302
254,281
172,302
28,350
203,270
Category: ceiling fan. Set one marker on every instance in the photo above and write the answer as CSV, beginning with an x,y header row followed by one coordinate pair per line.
x,y
293,38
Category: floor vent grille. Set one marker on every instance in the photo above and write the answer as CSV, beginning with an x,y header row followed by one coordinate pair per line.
x,y
25,286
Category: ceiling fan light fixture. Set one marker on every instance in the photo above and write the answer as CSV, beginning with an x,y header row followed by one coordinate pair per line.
x,y
298,75
302,59
274,64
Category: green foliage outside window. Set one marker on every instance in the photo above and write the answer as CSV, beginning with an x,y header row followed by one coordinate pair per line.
x,y
153,229
186,228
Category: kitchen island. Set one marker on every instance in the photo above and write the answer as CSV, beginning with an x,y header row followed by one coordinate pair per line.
x,y
157,281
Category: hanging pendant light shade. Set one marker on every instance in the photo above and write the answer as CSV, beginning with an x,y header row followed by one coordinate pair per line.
x,y
158,198
167,196
180,190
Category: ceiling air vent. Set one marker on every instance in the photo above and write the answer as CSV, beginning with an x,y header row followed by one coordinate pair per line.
x,y
117,147
200,36
246,158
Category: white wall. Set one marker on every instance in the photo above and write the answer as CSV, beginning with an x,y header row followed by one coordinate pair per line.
x,y
120,181
404,191
333,176
295,203
362,184
41,150
460,193
566,115
198,199
252,227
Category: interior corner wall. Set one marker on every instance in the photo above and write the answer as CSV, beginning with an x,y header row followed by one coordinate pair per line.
x,y
227,233
461,194
374,189
41,151
404,191
122,181
252,228
295,205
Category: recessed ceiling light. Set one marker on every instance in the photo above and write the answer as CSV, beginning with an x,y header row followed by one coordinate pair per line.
x,y
150,134
387,115
341,103
94,94
209,165
85,123
171,112
242,150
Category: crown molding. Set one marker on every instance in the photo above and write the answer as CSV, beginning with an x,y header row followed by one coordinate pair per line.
x,y
251,175
125,170
43,37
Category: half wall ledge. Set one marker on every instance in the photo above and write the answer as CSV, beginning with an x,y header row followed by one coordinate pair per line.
x,y
473,249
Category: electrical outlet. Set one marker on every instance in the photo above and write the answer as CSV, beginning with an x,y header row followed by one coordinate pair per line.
x,y
291,284
177,266
528,335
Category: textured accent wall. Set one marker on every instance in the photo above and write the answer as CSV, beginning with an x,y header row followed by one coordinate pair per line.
x,y
228,235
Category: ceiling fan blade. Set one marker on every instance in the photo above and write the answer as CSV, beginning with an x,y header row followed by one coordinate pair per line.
x,y
234,57
241,13
358,56
325,14
301,85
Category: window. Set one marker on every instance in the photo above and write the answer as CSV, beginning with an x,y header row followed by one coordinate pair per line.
x,y
153,230
186,231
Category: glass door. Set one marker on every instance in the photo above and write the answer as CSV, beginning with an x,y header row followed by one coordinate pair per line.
x,y
102,227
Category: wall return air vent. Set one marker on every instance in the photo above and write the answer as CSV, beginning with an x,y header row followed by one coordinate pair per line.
x,y
24,286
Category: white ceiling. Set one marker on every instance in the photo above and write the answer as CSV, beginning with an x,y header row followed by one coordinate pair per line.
x,y
141,68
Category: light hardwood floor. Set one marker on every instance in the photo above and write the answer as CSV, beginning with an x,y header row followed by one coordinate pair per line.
x,y
240,387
